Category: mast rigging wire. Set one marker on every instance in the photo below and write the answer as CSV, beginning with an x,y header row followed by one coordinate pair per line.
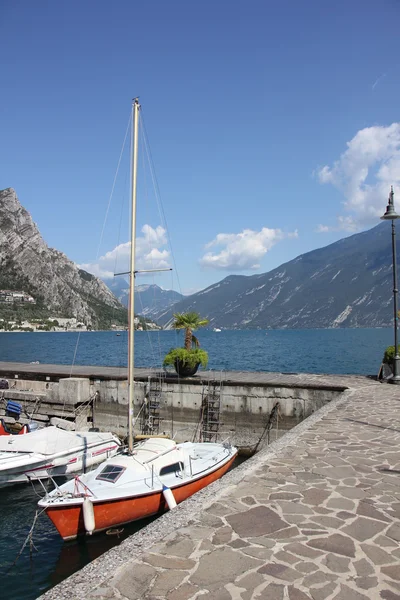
x,y
103,228
158,195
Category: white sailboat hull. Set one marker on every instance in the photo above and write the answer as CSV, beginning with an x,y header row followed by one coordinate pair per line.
x,y
157,476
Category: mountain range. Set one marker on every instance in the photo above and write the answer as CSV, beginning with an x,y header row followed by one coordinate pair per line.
x,y
149,299
346,284
56,283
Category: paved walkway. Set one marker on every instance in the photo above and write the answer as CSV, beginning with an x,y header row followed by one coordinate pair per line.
x,y
316,516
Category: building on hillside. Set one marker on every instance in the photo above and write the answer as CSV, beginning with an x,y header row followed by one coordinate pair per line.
x,y
66,322
16,296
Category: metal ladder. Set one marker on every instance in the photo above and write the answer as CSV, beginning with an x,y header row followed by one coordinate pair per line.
x,y
210,411
150,419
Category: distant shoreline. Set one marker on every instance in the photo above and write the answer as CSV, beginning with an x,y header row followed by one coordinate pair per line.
x,y
116,331
65,331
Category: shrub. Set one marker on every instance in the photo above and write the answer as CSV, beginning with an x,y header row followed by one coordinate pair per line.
x,y
191,358
389,354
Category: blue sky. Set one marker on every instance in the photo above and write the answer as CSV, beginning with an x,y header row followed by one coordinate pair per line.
x,y
273,126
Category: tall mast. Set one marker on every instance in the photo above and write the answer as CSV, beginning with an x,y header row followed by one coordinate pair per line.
x,y
131,314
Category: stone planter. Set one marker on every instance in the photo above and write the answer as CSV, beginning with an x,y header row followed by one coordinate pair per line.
x,y
185,370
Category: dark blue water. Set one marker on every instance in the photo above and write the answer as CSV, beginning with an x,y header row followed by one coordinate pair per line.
x,y
357,351
49,560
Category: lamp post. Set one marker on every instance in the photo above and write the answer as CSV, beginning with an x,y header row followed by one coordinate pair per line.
x,y
391,215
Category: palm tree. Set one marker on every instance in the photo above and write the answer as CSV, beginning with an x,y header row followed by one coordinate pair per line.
x,y
190,322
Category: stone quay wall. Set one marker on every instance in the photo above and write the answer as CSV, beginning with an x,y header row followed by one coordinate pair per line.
x,y
98,397
244,408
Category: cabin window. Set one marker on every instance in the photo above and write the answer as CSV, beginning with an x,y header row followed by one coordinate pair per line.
x,y
111,473
174,468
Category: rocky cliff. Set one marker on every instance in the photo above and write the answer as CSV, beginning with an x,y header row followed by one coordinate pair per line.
x,y
346,284
26,262
150,299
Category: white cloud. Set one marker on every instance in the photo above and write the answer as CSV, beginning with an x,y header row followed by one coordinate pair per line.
x,y
149,255
364,174
343,224
242,251
323,228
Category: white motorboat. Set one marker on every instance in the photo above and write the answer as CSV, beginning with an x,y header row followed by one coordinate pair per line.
x,y
52,452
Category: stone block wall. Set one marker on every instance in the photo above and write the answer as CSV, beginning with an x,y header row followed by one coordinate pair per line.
x,y
101,403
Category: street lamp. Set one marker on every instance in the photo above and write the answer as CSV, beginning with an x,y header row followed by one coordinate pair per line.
x,y
391,215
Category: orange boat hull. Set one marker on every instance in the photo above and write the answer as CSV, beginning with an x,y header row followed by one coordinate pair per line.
x,y
111,513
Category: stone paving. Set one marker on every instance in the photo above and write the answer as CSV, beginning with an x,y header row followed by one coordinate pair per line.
x,y
314,517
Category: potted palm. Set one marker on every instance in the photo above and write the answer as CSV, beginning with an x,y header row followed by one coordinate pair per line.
x,y
187,360
388,359
387,367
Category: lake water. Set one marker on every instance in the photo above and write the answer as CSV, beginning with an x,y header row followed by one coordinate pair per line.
x,y
357,351
51,560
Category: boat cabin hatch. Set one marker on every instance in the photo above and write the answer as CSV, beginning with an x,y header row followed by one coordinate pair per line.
x,y
111,473
174,468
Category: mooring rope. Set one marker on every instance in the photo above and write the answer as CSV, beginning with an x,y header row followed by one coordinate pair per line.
x,y
29,538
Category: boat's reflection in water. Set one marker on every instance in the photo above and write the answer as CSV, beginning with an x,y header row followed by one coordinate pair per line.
x,y
75,554
51,560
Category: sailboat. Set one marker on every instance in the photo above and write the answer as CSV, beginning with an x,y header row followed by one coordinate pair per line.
x,y
147,478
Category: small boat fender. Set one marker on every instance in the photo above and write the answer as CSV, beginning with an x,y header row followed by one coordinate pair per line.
x,y
169,497
88,516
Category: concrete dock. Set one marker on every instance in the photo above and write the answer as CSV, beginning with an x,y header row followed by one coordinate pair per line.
x,y
314,516
95,396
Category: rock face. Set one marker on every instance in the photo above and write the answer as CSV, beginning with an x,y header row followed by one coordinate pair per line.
x,y
149,299
26,262
346,284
